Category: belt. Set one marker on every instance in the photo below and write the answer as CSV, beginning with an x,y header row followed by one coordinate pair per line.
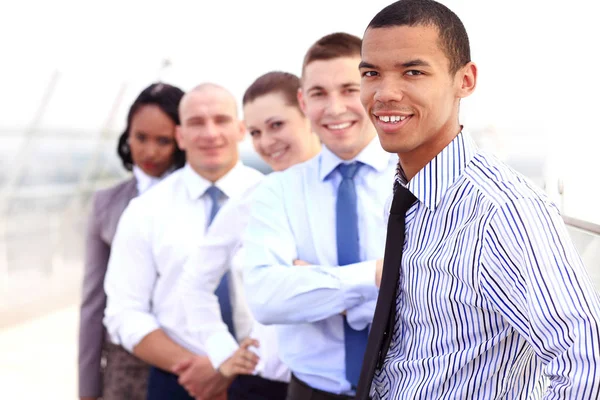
x,y
300,390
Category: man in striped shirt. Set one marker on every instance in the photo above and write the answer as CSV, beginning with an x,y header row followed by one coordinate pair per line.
x,y
492,296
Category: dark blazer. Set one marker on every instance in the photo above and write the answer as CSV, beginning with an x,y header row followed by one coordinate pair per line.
x,y
107,207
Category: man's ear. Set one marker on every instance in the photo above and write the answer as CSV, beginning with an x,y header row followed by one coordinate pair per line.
x,y
301,100
242,132
467,80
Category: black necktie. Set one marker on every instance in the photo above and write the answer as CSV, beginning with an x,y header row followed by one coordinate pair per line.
x,y
385,311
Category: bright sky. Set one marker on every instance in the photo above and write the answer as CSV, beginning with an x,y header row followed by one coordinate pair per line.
x,y
538,84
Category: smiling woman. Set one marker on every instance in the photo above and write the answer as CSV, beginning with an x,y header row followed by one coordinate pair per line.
x,y
280,132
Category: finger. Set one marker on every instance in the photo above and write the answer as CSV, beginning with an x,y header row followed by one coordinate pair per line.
x,y
300,262
246,365
250,356
242,370
249,342
181,366
190,390
183,380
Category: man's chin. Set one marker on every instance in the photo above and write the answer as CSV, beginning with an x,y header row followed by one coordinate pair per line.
x,y
392,146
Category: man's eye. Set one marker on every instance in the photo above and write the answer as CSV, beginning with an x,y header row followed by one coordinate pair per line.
x,y
254,132
413,72
369,74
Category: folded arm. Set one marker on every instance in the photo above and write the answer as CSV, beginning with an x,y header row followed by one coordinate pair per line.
x,y
281,293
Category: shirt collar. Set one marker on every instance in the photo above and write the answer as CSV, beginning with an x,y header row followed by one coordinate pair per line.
x,y
143,180
229,184
372,155
430,184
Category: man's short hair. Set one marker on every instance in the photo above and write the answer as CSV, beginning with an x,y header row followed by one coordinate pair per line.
x,y
274,82
453,37
335,45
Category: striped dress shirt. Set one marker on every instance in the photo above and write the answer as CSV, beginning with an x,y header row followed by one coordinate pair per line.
x,y
493,298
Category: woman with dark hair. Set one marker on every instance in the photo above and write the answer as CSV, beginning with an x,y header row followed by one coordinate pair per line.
x,y
148,148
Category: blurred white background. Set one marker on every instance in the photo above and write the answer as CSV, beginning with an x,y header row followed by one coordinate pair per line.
x,y
70,69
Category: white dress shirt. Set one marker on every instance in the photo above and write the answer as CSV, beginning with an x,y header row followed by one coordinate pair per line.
x,y
156,233
219,252
293,217
144,181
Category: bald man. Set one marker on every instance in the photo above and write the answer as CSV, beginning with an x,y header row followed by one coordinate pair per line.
x,y
154,237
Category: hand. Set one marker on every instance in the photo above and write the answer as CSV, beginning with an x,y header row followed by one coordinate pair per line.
x,y
214,388
222,396
200,379
300,262
378,272
242,362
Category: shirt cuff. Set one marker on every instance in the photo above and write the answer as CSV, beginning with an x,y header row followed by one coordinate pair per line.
x,y
358,283
361,316
219,347
135,329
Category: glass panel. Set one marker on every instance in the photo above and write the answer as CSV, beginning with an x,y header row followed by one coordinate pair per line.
x,y
9,146
22,93
109,165
56,161
80,105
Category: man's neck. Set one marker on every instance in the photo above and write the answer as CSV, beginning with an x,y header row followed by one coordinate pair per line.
x,y
213,175
349,155
414,161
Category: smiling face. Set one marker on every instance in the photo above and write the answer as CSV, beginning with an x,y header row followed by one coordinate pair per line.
x,y
280,133
330,98
210,131
409,93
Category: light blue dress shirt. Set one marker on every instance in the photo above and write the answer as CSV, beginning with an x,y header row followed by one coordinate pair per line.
x,y
293,217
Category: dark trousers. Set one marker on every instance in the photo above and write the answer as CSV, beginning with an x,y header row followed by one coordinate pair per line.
x,y
299,390
249,387
163,385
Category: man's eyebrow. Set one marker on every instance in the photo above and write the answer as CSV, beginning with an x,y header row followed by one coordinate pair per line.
x,y
316,87
364,64
412,63
408,64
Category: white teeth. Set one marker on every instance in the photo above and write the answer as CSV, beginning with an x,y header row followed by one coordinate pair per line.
x,y
340,126
277,154
392,118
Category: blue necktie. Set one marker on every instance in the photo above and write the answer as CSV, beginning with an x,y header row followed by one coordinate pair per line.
x,y
222,291
348,253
